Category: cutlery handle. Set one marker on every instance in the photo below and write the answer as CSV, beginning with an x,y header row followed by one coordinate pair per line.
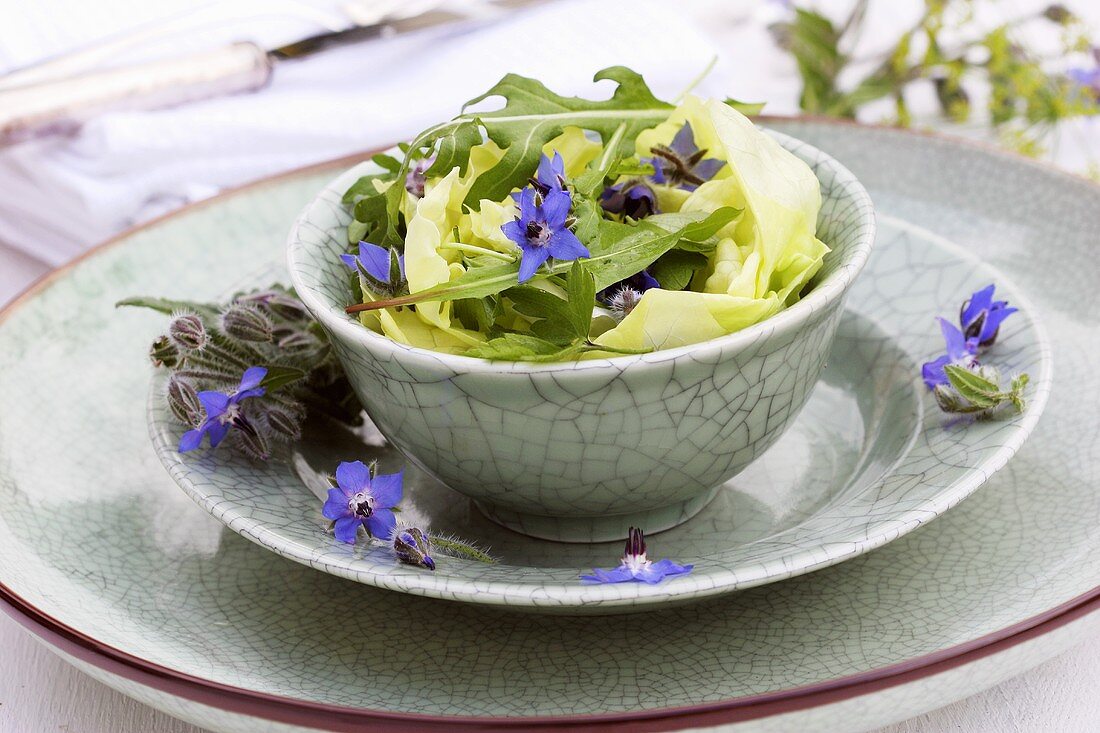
x,y
62,106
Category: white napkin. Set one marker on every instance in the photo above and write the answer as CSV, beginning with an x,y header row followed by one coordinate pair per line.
x,y
60,195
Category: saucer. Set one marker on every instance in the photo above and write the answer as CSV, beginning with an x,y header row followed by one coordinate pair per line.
x,y
870,458
111,566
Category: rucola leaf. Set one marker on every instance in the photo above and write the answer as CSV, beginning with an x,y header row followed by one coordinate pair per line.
x,y
622,250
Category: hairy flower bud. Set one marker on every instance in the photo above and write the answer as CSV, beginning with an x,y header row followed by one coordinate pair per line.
x,y
247,323
284,422
164,353
411,546
183,400
253,442
187,332
289,339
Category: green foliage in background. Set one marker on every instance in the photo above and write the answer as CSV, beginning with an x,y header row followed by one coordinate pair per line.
x,y
945,48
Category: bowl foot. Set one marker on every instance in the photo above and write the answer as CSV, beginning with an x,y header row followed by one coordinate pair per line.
x,y
602,528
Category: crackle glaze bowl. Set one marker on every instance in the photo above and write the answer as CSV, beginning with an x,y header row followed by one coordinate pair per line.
x,y
580,451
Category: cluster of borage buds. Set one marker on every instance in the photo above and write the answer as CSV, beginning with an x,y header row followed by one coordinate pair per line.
x,y
959,381
247,372
360,497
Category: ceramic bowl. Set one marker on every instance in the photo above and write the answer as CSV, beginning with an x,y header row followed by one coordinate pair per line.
x,y
580,451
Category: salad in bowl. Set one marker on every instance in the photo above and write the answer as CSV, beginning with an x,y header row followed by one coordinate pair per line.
x,y
585,314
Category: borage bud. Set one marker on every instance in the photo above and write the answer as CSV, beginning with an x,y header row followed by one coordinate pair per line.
x,y
253,443
184,402
284,422
246,323
187,332
164,353
290,339
412,547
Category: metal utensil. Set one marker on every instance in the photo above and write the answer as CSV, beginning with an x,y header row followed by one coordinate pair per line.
x,y
62,105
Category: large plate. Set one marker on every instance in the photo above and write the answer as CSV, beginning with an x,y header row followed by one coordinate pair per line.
x,y
870,458
102,556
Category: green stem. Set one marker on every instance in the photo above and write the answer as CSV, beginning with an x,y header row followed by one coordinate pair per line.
x,y
475,250
615,350
698,78
451,546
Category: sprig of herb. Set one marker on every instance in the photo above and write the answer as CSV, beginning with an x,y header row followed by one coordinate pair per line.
x,y
946,48
979,392
208,346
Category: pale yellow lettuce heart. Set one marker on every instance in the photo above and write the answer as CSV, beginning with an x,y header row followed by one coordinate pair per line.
x,y
764,257
577,151
429,230
665,319
483,227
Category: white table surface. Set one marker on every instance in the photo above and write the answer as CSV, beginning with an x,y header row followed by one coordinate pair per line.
x,y
39,692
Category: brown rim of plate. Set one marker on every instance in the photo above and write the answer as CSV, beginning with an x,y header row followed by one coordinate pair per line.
x,y
339,718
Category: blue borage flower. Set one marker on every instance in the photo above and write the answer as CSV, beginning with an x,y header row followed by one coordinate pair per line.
x,y
362,499
412,546
981,316
550,175
621,297
633,198
681,163
377,264
961,351
223,411
636,566
542,228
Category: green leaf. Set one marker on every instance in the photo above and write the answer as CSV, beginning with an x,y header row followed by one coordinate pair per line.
x,y
477,314
624,249
387,162
454,149
674,269
521,347
973,387
621,251
364,187
280,376
746,108
168,306
532,116
581,293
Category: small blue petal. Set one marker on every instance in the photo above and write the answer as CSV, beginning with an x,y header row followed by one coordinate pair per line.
x,y
191,440
376,261
515,231
933,374
387,489
620,574
532,259
217,432
353,476
214,403
251,379
346,529
564,245
381,523
555,208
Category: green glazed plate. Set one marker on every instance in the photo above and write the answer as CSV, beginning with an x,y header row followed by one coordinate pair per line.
x,y
870,458
105,559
